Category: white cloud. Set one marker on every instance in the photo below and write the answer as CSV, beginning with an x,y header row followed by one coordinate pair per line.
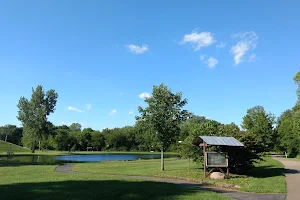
x,y
113,112
221,45
212,62
248,41
89,106
144,95
130,113
202,57
198,39
252,57
137,49
74,109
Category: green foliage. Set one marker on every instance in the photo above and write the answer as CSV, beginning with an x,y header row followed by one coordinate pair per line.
x,y
289,127
11,133
97,140
164,114
75,127
33,113
260,124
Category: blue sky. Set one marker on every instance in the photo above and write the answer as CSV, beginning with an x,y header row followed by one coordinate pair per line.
x,y
102,56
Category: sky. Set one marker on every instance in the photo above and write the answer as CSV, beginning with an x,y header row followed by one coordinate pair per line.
x,y
103,57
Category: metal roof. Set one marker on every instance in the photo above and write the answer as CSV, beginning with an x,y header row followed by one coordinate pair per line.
x,y
221,141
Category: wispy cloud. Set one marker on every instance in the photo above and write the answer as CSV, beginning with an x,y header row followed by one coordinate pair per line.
x,y
113,112
144,95
247,42
198,39
130,113
74,109
137,49
89,106
202,57
221,45
212,62
252,57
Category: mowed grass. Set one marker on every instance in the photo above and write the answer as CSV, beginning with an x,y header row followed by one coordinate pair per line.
x,y
41,182
266,177
5,147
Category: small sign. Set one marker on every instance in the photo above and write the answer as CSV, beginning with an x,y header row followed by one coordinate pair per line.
x,y
216,159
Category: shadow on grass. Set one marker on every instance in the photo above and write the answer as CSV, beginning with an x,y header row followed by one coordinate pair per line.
x,y
106,189
270,171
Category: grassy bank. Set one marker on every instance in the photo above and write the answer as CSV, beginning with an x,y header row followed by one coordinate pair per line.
x,y
266,177
41,182
6,146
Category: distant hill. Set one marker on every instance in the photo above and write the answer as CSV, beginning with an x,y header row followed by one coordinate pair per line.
x,y
4,147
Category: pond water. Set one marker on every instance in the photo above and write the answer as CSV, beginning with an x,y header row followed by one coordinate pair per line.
x,y
77,158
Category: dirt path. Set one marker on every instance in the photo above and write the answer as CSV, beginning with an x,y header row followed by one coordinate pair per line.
x,y
67,168
292,174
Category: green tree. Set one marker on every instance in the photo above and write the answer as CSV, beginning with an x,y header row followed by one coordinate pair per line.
x,y
260,124
11,133
75,127
287,139
34,113
164,114
97,140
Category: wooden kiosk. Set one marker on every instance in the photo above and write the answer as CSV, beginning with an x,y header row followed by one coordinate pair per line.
x,y
216,160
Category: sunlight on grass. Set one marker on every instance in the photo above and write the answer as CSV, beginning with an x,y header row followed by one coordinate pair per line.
x,y
266,177
41,182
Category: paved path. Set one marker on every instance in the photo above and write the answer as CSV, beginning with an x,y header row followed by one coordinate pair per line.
x,y
292,174
236,195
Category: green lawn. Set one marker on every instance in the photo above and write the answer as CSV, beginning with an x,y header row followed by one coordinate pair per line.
x,y
266,177
41,182
5,147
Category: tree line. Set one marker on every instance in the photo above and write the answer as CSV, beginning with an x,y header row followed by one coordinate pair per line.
x,y
163,125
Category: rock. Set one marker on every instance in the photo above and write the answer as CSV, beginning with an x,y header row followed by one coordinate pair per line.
x,y
237,187
217,175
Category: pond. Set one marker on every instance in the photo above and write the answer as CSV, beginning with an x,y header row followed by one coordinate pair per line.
x,y
77,158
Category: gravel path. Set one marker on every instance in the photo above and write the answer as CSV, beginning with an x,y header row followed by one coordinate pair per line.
x,y
67,168
292,174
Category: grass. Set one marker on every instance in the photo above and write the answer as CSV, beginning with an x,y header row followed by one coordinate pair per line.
x,y
6,146
41,182
266,177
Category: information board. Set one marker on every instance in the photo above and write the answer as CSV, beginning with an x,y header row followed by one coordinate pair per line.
x,y
216,159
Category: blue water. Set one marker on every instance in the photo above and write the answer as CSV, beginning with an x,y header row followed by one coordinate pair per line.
x,y
106,157
76,158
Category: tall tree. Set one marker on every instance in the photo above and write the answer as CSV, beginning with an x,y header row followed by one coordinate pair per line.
x,y
260,124
75,127
34,113
164,114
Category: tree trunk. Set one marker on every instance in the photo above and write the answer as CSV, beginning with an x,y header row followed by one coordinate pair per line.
x,y
33,146
162,160
189,163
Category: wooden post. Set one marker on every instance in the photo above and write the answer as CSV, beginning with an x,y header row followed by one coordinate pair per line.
x,y
204,160
227,172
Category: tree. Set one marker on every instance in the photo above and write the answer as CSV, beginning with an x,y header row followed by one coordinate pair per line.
x,y
11,133
97,140
75,127
164,114
287,139
33,113
260,124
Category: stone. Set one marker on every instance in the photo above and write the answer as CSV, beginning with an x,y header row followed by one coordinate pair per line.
x,y
217,175
237,187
